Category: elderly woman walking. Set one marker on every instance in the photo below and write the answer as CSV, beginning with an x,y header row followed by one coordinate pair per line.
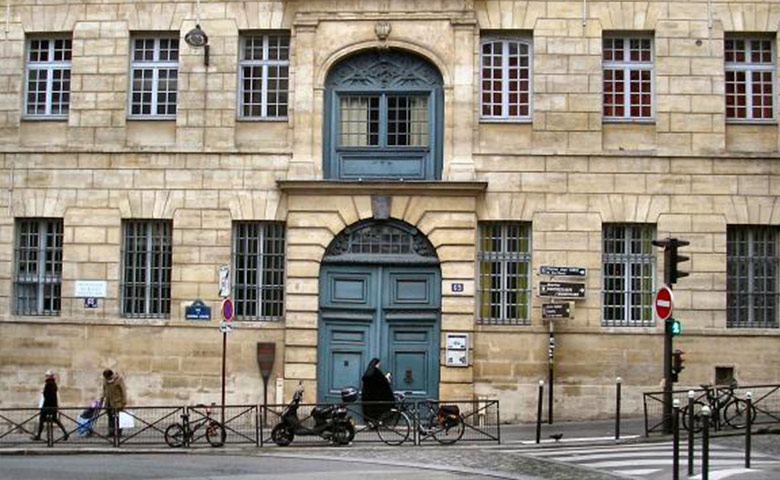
x,y
50,405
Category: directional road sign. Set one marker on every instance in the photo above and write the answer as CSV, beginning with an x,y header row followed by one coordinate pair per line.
x,y
562,290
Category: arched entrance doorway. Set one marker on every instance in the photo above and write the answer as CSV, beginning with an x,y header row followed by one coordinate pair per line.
x,y
380,296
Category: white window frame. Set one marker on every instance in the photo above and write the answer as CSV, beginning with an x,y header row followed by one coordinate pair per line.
x,y
264,64
627,66
155,65
505,41
749,68
49,66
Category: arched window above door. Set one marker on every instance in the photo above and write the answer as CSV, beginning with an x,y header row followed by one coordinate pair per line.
x,y
375,241
383,115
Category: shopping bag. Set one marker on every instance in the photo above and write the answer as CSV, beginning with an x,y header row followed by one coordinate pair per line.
x,y
40,402
126,420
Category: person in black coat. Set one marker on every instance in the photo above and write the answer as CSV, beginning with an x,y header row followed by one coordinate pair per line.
x,y
376,388
49,407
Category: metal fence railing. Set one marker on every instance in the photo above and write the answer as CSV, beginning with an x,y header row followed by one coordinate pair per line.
x,y
477,421
727,403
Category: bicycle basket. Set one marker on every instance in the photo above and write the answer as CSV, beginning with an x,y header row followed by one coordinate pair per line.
x,y
447,415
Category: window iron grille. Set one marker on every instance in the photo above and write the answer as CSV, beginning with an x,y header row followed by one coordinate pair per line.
x,y
146,279
628,272
38,281
751,276
258,264
504,286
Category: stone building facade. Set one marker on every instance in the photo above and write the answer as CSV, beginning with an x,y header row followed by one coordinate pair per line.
x,y
677,137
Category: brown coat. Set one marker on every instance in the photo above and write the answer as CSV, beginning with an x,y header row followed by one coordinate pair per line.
x,y
114,395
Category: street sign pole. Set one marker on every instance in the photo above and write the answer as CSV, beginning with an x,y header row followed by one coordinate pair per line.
x,y
227,315
224,350
664,306
550,372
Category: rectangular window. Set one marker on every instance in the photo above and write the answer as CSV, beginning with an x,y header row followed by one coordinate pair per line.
x,y
146,273
504,257
628,78
38,281
750,78
264,70
751,276
506,79
384,121
258,263
154,73
628,273
48,77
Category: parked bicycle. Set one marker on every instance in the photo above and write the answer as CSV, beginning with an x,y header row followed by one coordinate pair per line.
x,y
185,433
725,406
442,422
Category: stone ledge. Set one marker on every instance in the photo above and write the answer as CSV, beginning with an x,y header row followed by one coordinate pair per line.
x,y
419,188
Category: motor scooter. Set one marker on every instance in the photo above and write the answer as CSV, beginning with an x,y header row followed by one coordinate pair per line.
x,y
331,422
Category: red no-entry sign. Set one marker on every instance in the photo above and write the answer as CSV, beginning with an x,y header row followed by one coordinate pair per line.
x,y
664,302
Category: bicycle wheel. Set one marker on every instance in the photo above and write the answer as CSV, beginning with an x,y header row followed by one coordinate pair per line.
x,y
393,427
450,432
735,413
215,434
174,435
697,421
282,435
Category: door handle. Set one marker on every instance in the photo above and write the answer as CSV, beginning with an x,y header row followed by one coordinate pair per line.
x,y
408,376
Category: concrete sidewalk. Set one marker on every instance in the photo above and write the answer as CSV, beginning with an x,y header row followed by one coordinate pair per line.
x,y
631,429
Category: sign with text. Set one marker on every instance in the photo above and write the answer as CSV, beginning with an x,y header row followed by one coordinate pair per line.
x,y
562,289
558,271
457,288
90,302
198,311
90,288
556,310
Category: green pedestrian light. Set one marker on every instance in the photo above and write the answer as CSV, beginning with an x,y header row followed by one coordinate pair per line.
x,y
676,327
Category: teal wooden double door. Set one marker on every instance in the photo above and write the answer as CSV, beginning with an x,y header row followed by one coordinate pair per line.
x,y
389,312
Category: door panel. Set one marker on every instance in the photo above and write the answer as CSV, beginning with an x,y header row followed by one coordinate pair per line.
x,y
347,353
379,311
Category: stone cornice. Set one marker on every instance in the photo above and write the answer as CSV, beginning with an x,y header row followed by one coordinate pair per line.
x,y
418,188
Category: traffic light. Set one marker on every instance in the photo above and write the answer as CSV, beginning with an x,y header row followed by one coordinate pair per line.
x,y
677,364
672,258
675,327
551,348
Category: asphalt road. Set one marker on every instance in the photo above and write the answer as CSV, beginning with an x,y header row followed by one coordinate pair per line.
x,y
217,467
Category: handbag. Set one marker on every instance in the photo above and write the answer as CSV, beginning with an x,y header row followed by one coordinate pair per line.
x,y
126,420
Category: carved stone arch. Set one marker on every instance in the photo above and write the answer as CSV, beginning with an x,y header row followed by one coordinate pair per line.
x,y
381,242
335,58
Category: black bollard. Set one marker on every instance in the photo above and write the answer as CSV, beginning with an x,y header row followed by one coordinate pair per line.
x,y
539,412
676,440
691,435
748,428
618,385
705,443
49,433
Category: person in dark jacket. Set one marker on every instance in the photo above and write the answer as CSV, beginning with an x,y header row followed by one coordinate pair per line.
x,y
376,388
49,407
114,400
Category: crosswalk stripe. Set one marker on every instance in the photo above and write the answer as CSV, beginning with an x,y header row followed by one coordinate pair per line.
x,y
639,471
654,448
662,462
640,454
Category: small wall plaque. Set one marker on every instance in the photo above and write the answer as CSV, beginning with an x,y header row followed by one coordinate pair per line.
x,y
198,311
